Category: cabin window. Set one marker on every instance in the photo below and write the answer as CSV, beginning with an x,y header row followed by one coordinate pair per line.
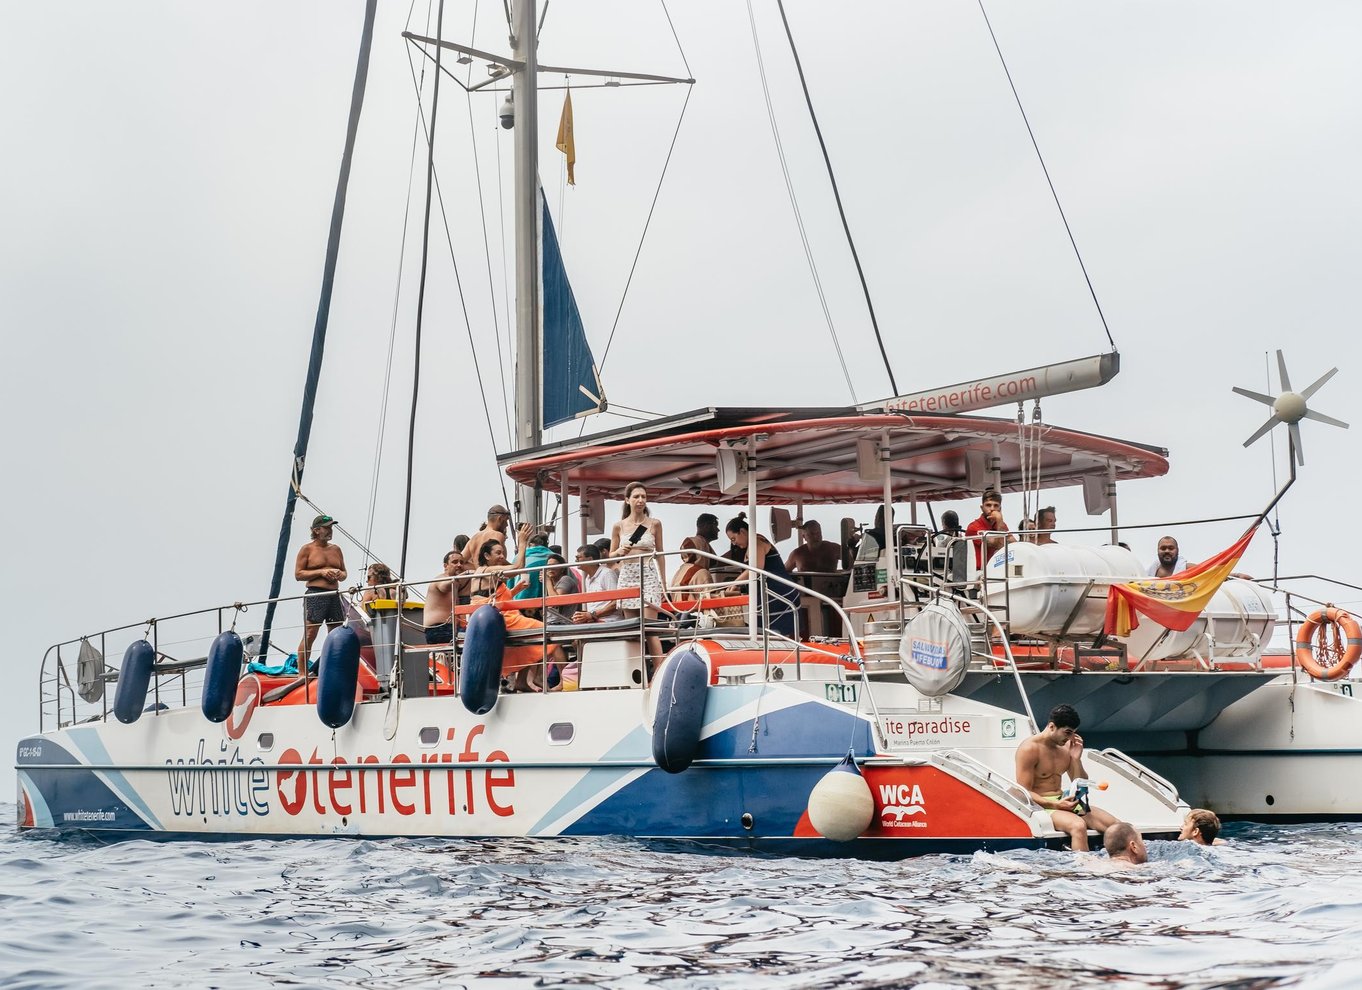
x,y
429,735
561,733
265,742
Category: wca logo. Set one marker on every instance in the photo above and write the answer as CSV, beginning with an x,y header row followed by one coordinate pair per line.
x,y
900,803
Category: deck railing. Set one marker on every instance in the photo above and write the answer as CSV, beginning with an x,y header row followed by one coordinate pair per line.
x,y
180,642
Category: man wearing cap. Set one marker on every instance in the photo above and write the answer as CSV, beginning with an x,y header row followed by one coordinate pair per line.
x,y
321,566
498,522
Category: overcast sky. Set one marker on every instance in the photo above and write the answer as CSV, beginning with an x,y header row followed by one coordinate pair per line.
x,y
168,177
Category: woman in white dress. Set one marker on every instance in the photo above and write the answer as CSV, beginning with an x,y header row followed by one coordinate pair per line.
x,y
635,540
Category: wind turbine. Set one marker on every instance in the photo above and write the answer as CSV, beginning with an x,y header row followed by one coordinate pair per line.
x,y
1291,407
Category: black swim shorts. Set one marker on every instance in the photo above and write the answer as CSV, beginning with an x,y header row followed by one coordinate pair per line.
x,y
439,635
323,606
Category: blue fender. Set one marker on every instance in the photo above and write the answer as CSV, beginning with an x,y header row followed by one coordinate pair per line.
x,y
337,676
480,663
221,675
133,678
681,687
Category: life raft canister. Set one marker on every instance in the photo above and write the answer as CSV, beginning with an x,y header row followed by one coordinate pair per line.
x,y
1338,647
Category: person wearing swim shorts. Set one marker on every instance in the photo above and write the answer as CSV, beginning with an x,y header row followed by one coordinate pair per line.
x,y
1042,762
320,566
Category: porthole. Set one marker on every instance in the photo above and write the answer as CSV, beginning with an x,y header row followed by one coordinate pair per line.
x,y
265,742
429,736
561,733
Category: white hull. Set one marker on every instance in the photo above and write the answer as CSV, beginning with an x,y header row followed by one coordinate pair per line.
x,y
1285,751
562,764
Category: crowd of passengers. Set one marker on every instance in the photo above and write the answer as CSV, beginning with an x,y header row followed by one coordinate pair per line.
x,y
479,569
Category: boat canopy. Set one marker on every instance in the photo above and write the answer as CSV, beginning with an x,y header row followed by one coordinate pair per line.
x,y
819,456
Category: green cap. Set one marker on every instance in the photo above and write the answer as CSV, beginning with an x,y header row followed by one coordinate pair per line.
x,y
322,521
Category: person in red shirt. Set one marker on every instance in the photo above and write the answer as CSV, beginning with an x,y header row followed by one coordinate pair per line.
x,y
989,521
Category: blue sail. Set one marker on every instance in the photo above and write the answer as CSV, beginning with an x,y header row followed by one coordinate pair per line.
x,y
572,387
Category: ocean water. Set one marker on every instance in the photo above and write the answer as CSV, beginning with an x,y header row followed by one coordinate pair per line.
x,y
1278,906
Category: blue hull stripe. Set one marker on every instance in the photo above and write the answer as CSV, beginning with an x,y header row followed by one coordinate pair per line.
x,y
92,748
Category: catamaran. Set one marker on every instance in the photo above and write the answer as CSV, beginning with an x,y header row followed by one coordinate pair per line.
x,y
887,725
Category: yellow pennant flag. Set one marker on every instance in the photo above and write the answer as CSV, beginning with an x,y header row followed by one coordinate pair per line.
x,y
565,142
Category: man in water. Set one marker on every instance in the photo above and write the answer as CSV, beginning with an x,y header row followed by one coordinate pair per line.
x,y
1170,560
1125,846
814,553
1202,827
321,566
1042,762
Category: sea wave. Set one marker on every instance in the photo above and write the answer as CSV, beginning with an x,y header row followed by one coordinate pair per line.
x,y
1276,906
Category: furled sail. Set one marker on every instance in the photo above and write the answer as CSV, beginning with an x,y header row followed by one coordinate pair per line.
x,y
572,386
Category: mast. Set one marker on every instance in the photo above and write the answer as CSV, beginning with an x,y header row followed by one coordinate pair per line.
x,y
529,350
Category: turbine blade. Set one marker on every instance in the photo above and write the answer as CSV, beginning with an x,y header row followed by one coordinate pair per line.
x,y
1319,417
1281,368
1266,400
1311,390
1271,422
1295,430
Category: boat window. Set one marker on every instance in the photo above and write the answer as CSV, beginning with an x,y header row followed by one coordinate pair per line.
x,y
561,733
430,735
265,741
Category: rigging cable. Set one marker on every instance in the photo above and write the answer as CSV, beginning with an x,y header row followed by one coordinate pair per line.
x,y
794,206
392,329
837,195
421,291
505,269
486,250
1041,159
458,282
667,14
642,237
314,365
638,251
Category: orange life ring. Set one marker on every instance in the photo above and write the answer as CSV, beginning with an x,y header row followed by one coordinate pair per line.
x,y
1328,643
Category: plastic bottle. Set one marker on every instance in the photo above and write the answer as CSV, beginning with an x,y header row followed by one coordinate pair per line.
x,y
1078,793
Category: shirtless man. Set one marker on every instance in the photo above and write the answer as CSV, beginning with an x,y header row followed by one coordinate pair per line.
x,y
439,611
814,553
498,522
1042,762
1045,522
321,566
1125,846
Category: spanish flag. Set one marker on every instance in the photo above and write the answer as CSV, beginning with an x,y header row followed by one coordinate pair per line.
x,y
565,142
1176,601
